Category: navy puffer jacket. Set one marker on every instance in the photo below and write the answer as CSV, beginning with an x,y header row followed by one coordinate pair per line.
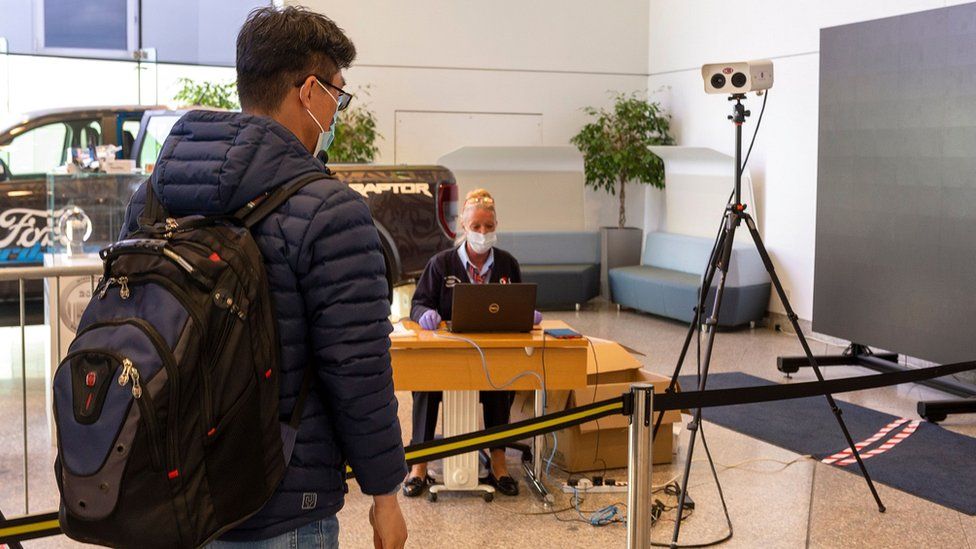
x,y
327,278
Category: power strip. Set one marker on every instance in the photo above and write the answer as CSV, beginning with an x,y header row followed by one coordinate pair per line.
x,y
594,489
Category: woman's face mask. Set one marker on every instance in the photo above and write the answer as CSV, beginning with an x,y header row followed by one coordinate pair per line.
x,y
480,230
481,243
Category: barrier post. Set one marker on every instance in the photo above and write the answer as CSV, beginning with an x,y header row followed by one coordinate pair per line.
x,y
639,478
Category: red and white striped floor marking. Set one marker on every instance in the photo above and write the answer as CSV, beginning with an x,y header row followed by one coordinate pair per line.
x,y
847,453
888,445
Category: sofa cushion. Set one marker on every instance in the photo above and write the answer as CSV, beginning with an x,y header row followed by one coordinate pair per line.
x,y
662,277
674,294
660,291
572,269
689,254
551,248
677,252
562,285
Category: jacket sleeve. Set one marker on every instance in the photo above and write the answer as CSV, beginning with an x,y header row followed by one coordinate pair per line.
x,y
342,278
427,296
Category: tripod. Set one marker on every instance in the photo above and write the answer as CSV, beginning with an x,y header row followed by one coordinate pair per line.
x,y
735,214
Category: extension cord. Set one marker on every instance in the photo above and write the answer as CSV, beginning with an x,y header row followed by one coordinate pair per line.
x,y
594,489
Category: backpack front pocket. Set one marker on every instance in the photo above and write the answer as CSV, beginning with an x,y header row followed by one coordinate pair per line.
x,y
95,387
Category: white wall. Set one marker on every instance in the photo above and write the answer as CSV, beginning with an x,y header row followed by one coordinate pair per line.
x,y
684,35
575,36
547,58
29,83
51,82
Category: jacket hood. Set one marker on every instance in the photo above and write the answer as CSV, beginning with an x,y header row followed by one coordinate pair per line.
x,y
213,163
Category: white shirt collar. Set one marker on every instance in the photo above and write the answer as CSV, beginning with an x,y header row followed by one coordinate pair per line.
x,y
466,260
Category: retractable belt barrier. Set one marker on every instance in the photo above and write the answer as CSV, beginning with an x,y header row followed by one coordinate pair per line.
x,y
19,529
36,526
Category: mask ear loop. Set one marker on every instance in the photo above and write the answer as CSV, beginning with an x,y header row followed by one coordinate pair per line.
x,y
321,129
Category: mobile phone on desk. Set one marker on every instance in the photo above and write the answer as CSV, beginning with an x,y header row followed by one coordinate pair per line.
x,y
562,333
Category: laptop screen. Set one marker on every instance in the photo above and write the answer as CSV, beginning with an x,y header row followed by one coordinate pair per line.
x,y
493,307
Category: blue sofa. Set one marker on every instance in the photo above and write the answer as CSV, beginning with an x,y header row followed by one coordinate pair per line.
x,y
565,265
667,280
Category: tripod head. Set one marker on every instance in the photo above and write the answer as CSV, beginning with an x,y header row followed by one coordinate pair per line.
x,y
739,112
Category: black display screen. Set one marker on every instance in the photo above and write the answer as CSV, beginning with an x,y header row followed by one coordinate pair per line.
x,y
896,191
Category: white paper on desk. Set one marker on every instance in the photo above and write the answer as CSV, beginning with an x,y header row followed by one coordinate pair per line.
x,y
400,331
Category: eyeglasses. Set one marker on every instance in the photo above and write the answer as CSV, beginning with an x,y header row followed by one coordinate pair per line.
x,y
344,97
480,200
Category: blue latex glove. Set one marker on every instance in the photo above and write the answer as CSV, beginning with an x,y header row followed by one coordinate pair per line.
x,y
430,320
536,317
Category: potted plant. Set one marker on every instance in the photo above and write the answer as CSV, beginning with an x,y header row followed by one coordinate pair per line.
x,y
355,139
207,94
615,152
356,134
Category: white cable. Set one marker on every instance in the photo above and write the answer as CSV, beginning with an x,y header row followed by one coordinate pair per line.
x,y
484,365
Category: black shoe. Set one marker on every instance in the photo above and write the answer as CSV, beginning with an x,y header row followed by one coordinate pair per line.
x,y
506,484
415,486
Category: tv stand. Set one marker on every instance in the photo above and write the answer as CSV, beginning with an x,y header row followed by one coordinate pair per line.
x,y
861,355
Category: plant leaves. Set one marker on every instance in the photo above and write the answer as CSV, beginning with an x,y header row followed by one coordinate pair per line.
x,y
615,145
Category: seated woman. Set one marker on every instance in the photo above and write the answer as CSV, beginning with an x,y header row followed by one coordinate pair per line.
x,y
474,260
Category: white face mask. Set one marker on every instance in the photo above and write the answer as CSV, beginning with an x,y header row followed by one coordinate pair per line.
x,y
481,242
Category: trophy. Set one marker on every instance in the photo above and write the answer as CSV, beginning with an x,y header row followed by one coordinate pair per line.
x,y
74,228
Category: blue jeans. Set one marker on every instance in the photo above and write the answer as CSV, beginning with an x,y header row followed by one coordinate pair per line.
x,y
321,534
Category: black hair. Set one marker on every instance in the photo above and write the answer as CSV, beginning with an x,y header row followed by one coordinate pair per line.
x,y
278,47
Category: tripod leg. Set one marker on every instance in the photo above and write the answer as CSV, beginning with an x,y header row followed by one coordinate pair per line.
x,y
693,327
806,350
720,263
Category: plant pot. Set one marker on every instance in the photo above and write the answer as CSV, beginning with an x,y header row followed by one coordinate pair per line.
x,y
619,247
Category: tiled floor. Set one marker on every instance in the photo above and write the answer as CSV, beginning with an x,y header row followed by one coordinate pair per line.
x,y
804,504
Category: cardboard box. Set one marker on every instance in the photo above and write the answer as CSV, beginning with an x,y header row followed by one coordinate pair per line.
x,y
602,443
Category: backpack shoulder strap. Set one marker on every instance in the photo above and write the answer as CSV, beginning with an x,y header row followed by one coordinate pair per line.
x,y
251,214
153,210
259,208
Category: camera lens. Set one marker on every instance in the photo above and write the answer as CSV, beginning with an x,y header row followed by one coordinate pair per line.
x,y
718,80
738,80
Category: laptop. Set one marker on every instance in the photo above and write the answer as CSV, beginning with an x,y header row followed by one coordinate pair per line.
x,y
493,308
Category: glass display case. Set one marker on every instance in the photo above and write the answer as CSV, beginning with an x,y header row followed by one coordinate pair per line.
x,y
86,210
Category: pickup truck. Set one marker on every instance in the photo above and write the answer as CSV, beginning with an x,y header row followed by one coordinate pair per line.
x,y
414,207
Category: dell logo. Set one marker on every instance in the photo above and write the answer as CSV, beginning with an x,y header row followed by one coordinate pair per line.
x,y
493,308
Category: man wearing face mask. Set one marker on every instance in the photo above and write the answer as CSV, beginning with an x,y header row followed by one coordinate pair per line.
x,y
474,260
325,270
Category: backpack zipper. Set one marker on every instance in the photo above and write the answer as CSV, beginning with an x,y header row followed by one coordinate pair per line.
x,y
105,284
225,329
169,364
168,284
129,372
141,397
122,281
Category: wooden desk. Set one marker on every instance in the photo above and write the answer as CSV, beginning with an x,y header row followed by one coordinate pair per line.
x,y
430,361
439,361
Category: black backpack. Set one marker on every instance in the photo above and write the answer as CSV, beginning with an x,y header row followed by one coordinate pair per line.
x,y
167,402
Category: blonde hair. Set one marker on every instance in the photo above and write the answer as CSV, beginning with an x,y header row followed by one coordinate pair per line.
x,y
477,199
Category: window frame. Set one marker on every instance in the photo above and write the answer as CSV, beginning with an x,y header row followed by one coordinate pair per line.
x,y
68,136
71,126
143,128
131,31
